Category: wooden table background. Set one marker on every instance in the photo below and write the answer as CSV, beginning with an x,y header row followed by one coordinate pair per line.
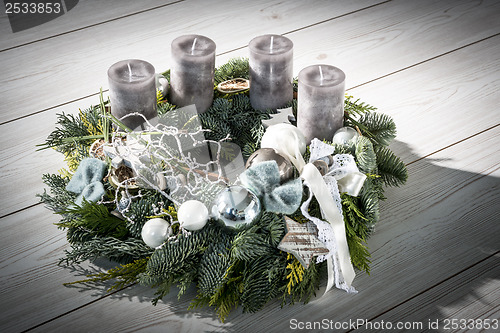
x,y
432,65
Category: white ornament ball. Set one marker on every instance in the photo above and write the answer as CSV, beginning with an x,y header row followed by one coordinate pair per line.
x,y
345,134
284,138
192,215
155,232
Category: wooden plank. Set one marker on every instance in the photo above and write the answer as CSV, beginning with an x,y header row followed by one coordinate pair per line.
x,y
30,279
390,37
408,253
84,14
469,300
74,65
440,102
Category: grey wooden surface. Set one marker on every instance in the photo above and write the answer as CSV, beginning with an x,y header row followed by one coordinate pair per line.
x,y
434,66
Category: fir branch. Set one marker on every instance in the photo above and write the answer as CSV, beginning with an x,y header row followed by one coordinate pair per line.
x,y
356,107
249,245
96,219
391,168
365,155
213,265
379,127
121,251
234,68
357,229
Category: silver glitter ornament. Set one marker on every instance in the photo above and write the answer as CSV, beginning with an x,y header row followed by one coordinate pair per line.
x,y
235,205
270,154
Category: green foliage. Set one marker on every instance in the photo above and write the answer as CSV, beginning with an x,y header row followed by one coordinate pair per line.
x,y
95,219
379,127
234,118
304,289
214,265
357,229
234,68
249,245
356,107
365,155
58,199
391,168
124,275
259,286
149,204
121,251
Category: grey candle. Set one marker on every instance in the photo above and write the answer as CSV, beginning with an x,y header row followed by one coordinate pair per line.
x,y
192,72
271,71
320,101
132,88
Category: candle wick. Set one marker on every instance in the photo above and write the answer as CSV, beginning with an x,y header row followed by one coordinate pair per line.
x,y
129,72
271,46
192,47
320,76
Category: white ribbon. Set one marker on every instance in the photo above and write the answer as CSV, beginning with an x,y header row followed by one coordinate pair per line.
x,y
342,175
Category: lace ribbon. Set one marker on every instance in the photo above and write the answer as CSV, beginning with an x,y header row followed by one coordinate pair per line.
x,y
342,175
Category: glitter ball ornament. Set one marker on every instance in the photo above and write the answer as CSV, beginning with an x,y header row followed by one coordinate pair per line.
x,y
236,205
155,232
345,134
192,215
269,154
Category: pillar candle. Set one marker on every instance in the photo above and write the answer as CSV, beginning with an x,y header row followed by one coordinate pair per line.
x,y
192,72
271,71
320,101
132,88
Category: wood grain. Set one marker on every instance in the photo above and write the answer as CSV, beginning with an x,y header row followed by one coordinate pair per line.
x,y
471,295
31,282
85,14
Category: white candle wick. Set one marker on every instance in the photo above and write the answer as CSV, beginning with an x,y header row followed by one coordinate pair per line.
x,y
192,47
271,46
320,76
129,72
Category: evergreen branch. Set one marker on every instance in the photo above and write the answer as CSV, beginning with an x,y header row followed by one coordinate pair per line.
x,y
391,168
381,127
96,219
125,275
121,251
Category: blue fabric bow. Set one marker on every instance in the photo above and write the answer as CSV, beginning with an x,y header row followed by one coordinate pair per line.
x,y
263,179
87,180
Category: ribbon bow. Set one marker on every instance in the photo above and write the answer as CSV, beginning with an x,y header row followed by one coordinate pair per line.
x,y
263,179
87,180
342,175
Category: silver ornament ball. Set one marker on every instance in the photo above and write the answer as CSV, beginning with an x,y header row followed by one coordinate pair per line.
x,y
345,134
235,205
270,154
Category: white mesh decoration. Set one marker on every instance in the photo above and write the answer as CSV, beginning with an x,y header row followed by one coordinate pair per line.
x,y
171,155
